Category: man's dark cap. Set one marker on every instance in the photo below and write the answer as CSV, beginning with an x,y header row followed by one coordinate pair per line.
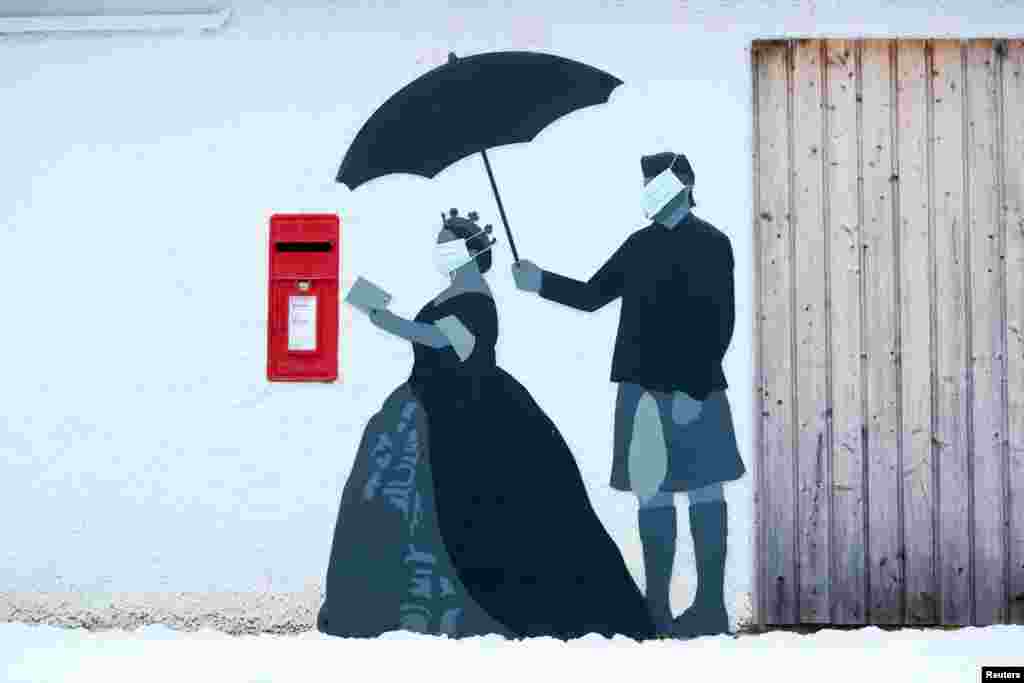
x,y
654,164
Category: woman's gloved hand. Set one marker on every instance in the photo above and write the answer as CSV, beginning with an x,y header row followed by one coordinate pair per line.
x,y
685,409
382,317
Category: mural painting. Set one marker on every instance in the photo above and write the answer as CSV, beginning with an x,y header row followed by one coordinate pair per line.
x,y
465,512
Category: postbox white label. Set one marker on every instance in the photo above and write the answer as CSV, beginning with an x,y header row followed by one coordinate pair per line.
x,y
302,323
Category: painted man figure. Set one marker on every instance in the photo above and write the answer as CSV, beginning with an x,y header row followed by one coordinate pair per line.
x,y
673,424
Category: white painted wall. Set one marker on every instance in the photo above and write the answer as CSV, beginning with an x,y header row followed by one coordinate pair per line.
x,y
141,448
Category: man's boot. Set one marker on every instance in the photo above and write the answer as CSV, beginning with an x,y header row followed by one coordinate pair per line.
x,y
658,535
707,615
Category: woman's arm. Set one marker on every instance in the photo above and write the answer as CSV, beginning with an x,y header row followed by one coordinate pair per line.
x,y
410,330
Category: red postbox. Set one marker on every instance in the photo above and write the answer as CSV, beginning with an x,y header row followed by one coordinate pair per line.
x,y
302,320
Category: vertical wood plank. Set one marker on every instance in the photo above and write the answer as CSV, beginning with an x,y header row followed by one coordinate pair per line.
x,y
1013,116
810,253
778,518
916,334
844,233
951,338
760,482
986,328
881,333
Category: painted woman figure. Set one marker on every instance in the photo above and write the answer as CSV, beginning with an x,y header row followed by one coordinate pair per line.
x,y
465,506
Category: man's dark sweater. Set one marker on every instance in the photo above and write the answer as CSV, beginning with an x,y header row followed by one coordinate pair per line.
x,y
678,305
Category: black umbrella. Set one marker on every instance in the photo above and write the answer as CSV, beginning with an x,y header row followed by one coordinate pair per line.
x,y
467,106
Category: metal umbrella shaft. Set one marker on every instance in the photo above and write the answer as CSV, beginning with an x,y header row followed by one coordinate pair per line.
x,y
501,208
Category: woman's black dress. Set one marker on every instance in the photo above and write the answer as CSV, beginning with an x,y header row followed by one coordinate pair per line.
x,y
512,512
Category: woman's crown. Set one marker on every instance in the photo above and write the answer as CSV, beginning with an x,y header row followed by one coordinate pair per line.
x,y
471,217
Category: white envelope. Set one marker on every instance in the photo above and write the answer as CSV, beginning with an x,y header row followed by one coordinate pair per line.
x,y
365,296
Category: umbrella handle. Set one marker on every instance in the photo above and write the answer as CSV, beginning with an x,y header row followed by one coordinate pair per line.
x,y
501,207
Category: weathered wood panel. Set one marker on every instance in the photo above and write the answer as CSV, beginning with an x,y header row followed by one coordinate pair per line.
x,y
951,435
1013,226
985,307
844,234
811,253
891,331
881,334
916,332
778,520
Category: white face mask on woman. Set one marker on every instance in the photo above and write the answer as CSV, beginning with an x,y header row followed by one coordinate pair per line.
x,y
451,255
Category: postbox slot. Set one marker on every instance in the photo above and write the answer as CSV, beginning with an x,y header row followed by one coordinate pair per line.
x,y
304,247
300,276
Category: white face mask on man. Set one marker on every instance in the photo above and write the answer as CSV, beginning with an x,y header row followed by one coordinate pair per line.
x,y
662,189
451,255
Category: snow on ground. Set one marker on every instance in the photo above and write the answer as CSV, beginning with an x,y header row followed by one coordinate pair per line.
x,y
37,654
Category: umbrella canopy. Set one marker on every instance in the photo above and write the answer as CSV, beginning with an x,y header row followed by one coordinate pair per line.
x,y
469,105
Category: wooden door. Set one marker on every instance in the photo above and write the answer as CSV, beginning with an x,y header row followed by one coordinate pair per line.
x,y
889,224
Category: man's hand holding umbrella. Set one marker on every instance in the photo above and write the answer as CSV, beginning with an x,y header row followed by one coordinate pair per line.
x,y
527,275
